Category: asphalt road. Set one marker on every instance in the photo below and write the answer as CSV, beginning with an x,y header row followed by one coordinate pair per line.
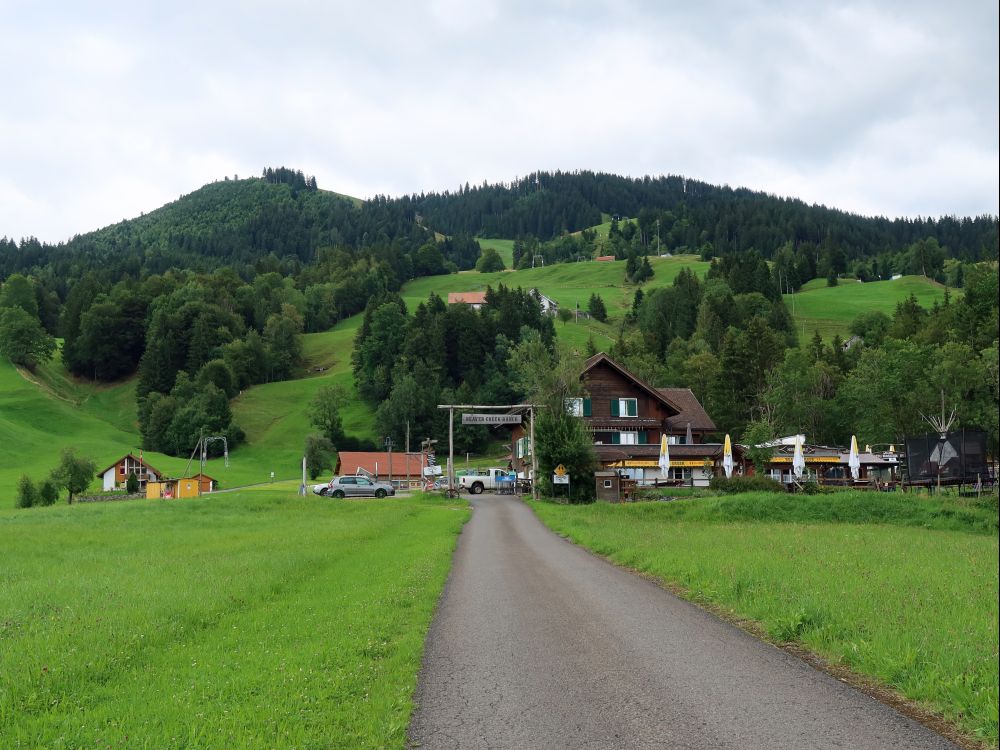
x,y
537,644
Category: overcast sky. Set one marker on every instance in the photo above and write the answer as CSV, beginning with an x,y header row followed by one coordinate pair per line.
x,y
111,109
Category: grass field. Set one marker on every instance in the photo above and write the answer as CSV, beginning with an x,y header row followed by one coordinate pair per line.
x,y
830,310
504,248
243,620
901,589
38,419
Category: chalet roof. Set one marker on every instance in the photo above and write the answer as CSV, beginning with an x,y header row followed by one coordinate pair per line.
x,y
134,457
467,298
348,462
689,410
601,357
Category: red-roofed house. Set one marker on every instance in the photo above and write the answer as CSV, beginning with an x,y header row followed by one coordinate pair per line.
x,y
605,258
376,463
473,299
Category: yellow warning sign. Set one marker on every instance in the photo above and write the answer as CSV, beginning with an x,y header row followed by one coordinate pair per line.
x,y
560,471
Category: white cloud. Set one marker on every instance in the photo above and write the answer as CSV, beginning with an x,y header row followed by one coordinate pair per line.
x,y
872,107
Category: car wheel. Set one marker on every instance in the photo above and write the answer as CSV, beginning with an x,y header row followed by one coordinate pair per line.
x,y
339,494
379,493
324,492
477,488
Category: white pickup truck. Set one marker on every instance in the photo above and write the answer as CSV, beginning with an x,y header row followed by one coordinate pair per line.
x,y
478,480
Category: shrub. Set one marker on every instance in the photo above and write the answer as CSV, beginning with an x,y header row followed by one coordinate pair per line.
x,y
48,492
27,494
735,485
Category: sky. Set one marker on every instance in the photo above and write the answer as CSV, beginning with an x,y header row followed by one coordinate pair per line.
x,y
111,109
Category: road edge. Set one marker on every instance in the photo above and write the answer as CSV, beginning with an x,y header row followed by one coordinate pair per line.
x,y
871,687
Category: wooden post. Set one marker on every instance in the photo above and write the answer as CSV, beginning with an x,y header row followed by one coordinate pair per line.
x,y
534,455
451,449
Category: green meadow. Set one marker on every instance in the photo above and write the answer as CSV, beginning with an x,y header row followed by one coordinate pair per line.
x,y
902,589
43,412
830,310
246,620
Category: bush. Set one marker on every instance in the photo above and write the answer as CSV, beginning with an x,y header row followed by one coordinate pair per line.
x,y
27,494
735,485
48,492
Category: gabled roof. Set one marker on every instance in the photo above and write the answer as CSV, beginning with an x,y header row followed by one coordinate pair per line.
x,y
601,357
134,457
468,298
690,408
348,462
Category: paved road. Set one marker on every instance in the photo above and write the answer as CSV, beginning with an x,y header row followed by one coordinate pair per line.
x,y
538,644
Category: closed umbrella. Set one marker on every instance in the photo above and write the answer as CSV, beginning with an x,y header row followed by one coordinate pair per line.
x,y
798,460
727,457
854,460
688,438
664,456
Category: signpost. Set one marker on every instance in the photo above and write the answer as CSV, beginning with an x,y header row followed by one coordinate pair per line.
x,y
491,419
560,477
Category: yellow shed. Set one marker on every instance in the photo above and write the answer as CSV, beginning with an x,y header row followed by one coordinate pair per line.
x,y
172,488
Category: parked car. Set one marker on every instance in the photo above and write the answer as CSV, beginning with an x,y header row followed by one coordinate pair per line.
x,y
354,486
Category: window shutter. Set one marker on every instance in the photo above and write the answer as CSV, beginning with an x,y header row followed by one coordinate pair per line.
x,y
643,440
587,409
616,438
614,407
632,408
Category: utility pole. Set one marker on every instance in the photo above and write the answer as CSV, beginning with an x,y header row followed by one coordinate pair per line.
x,y
388,445
407,454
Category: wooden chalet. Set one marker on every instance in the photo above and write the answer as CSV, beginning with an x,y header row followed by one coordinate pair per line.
x,y
627,418
115,476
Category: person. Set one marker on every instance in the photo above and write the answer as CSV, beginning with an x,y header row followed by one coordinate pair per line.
x,y
510,466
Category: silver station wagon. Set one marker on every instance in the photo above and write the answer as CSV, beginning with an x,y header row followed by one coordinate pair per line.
x,y
354,486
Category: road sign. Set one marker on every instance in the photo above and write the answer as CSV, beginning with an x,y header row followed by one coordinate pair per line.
x,y
559,471
560,479
491,419
432,471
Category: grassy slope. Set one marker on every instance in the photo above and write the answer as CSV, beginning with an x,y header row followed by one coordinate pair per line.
x,y
830,310
100,420
256,620
504,248
875,584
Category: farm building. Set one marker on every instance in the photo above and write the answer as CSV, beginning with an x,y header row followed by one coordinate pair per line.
x,y
549,305
605,258
376,464
474,299
115,476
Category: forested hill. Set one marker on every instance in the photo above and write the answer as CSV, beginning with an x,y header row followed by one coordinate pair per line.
x,y
272,223
691,215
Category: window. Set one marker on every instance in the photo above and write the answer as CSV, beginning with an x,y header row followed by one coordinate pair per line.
x,y
574,407
680,473
628,438
607,484
363,481
347,480
624,407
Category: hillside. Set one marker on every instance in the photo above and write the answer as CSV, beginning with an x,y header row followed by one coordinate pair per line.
x,y
830,310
